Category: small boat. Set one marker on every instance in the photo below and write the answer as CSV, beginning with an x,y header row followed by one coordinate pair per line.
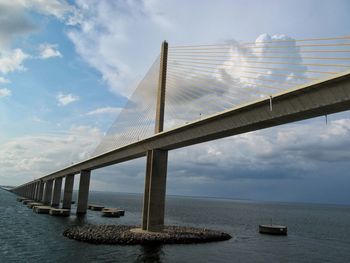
x,y
273,229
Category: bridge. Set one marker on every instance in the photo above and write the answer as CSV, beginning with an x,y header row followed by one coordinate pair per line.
x,y
301,90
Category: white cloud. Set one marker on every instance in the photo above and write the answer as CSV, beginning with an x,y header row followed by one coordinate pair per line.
x,y
12,61
106,110
4,81
106,34
15,22
301,147
65,99
58,8
23,157
49,51
5,92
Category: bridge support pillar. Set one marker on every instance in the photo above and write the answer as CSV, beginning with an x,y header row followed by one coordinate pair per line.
x,y
32,191
155,188
55,202
83,195
36,187
41,191
68,191
48,192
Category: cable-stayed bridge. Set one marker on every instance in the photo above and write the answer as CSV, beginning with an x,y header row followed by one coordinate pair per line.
x,y
194,94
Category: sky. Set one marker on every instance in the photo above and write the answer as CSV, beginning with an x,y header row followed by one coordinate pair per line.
x,y
67,68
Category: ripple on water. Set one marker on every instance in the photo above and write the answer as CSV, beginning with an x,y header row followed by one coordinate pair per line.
x,y
29,237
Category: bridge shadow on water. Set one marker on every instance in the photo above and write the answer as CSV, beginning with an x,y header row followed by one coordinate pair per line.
x,y
150,253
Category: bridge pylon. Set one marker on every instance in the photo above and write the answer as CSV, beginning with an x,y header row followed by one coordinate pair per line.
x,y
157,161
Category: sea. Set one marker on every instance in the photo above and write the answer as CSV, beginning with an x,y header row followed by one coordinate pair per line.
x,y
316,232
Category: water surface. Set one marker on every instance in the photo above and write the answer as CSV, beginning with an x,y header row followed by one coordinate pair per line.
x,y
317,233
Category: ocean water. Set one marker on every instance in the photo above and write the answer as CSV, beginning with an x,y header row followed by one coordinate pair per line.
x,y
316,233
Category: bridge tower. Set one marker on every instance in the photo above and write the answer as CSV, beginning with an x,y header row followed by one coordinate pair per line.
x,y
157,161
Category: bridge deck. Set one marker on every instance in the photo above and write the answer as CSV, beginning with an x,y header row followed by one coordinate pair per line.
x,y
316,99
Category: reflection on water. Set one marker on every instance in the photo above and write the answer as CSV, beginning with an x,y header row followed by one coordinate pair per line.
x,y
80,219
151,253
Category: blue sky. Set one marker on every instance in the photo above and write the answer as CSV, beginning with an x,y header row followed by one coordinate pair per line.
x,y
68,67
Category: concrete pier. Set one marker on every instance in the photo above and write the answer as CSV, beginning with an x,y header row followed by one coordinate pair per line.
x,y
59,212
32,191
48,192
35,184
83,195
155,188
41,209
56,197
41,191
32,204
36,191
26,201
112,212
68,192
95,207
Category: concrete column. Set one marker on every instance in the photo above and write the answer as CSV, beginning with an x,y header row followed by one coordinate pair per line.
x,y
146,192
31,191
55,201
68,191
154,203
41,191
161,88
157,161
36,191
83,195
48,192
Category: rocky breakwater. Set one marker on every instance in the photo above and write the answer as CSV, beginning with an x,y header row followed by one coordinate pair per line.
x,y
131,235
